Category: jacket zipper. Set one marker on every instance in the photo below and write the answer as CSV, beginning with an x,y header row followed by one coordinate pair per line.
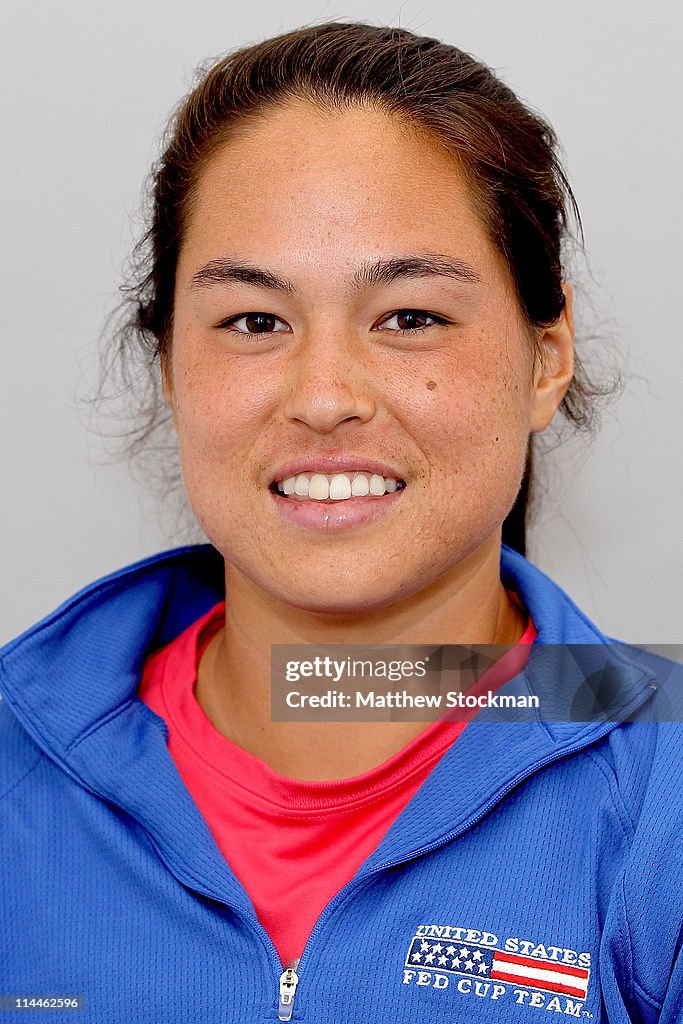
x,y
290,977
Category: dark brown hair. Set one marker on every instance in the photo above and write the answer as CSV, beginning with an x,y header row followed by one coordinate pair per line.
x,y
508,153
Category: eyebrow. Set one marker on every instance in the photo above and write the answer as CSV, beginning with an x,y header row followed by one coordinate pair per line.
x,y
369,274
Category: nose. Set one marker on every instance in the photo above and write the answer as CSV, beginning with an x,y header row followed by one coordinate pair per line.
x,y
329,385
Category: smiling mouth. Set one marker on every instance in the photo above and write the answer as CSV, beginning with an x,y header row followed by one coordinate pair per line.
x,y
335,487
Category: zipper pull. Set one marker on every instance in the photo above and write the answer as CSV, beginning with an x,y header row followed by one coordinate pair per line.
x,y
289,979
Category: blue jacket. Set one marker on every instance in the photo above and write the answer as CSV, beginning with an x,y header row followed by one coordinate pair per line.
x,y
538,870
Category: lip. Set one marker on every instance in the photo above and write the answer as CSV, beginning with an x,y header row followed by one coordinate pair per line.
x,y
332,516
330,464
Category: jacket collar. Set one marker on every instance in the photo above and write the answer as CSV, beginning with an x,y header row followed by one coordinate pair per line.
x,y
72,680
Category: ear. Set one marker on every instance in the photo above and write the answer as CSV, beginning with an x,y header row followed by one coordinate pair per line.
x,y
554,375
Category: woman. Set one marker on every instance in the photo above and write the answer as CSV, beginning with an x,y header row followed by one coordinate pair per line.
x,y
355,293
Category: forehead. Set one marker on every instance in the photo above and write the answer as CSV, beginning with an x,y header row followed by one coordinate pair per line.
x,y
334,186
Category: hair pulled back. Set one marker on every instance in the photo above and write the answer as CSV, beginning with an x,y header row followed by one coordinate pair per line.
x,y
508,153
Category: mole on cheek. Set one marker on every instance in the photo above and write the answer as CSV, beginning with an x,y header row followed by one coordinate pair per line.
x,y
431,384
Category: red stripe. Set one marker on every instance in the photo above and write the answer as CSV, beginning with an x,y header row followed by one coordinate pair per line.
x,y
547,965
551,986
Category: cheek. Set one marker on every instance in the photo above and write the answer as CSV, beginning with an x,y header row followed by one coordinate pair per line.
x,y
471,416
471,422
218,405
214,441
218,416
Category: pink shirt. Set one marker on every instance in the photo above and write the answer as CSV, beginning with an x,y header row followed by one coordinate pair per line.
x,y
292,843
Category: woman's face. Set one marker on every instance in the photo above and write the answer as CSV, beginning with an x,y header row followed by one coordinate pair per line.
x,y
339,308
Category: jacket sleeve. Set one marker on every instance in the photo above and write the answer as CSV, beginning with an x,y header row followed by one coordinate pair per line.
x,y
672,1007
641,954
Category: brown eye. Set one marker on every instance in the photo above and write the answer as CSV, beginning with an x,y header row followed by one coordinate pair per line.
x,y
412,321
257,323
254,323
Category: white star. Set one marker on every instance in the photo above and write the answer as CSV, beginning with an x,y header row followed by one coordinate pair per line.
x,y
442,960
476,955
424,946
417,956
469,964
464,951
483,968
437,948
429,959
450,950
455,962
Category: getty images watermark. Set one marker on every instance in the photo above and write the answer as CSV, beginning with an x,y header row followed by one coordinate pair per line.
x,y
519,682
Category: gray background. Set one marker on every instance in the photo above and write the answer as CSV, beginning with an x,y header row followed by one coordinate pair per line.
x,y
86,90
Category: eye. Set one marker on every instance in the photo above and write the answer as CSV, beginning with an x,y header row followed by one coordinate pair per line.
x,y
254,323
413,321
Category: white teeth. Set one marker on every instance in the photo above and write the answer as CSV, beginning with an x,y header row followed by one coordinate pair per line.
x,y
301,485
340,487
319,488
360,485
337,486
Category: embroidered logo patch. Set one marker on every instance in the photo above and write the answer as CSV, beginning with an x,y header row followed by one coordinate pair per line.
x,y
478,963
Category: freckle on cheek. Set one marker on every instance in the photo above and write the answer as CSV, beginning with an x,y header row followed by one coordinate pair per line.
x,y
431,384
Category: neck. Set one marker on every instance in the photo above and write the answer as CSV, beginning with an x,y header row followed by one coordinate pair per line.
x,y
467,606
